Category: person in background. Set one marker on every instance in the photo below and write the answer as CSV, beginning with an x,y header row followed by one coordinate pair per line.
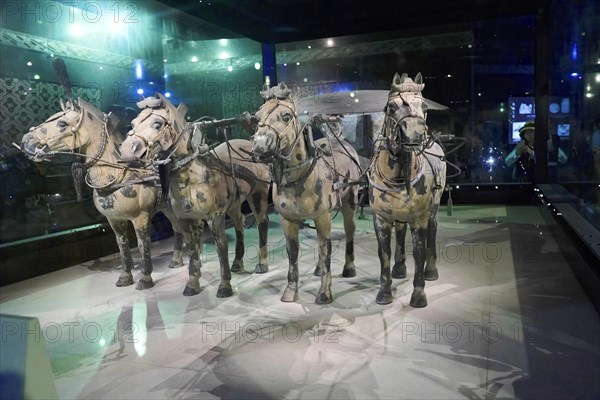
x,y
522,158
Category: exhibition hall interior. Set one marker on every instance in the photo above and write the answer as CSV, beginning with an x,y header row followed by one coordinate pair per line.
x,y
215,199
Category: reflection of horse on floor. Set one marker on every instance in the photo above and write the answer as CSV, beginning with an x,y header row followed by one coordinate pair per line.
x,y
309,182
121,194
406,180
205,184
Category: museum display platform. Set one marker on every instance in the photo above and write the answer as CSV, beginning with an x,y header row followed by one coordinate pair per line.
x,y
506,319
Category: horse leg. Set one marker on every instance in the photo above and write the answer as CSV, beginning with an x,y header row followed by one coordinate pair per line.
x,y
399,269
235,213
142,231
419,239
291,230
258,204
383,231
192,231
120,230
323,225
177,259
348,211
218,229
431,272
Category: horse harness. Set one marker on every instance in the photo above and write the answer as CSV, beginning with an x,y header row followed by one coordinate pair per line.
x,y
407,98
277,170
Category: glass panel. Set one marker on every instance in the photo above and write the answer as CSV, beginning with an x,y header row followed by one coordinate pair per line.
x,y
476,70
574,118
114,52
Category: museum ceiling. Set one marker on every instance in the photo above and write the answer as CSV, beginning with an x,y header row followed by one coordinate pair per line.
x,y
435,24
279,21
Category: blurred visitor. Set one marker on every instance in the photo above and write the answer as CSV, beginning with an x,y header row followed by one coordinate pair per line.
x,y
522,158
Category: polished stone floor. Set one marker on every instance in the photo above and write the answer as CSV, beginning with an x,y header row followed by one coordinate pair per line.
x,y
506,319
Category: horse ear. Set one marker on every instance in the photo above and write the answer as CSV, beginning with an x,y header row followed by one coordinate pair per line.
x,y
282,91
162,98
418,79
396,80
62,104
181,113
182,108
264,93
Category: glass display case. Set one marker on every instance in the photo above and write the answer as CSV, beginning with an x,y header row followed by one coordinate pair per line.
x,y
482,73
115,53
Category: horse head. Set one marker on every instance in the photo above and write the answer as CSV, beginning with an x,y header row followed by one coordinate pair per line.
x,y
278,124
155,130
65,131
405,127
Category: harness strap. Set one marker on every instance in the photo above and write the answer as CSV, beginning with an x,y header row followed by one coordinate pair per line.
x,y
401,186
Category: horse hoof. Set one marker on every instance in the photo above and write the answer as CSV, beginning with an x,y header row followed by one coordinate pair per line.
x,y
188,291
224,290
324,298
399,270
384,297
349,270
418,299
431,274
144,283
125,281
289,295
318,271
237,267
261,268
175,264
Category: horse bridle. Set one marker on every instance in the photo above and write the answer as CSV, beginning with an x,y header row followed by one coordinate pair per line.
x,y
395,126
152,141
293,123
71,132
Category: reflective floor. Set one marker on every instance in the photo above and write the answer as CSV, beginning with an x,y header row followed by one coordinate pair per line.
x,y
506,319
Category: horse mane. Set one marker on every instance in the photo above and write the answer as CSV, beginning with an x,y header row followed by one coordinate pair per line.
x,y
99,116
402,84
280,92
159,101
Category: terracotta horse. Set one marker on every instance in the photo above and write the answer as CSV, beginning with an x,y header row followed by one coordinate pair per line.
x,y
121,194
205,184
406,180
309,182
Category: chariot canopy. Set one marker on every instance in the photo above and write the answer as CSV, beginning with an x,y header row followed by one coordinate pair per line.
x,y
353,102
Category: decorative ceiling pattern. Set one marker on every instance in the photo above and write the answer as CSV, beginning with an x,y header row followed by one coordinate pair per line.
x,y
63,49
